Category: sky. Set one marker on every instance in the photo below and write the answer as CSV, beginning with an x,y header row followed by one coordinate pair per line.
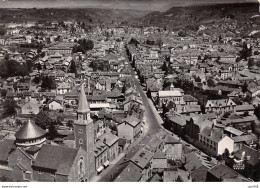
x,y
155,5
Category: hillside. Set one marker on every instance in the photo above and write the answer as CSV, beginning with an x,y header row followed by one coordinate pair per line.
x,y
83,14
181,17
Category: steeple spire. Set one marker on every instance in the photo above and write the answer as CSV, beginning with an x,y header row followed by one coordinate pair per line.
x,y
83,103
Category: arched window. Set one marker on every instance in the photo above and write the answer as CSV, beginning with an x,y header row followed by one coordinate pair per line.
x,y
81,167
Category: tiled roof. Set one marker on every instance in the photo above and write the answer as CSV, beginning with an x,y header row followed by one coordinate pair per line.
x,y
57,158
253,154
132,173
142,158
6,146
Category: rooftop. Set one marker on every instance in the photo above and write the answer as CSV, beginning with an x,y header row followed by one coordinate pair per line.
x,y
29,131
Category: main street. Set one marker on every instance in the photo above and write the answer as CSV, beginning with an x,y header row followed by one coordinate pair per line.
x,y
153,123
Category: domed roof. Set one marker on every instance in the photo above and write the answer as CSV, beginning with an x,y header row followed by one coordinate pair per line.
x,y
29,131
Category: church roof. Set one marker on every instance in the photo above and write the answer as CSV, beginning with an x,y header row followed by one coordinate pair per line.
x,y
29,131
83,103
56,158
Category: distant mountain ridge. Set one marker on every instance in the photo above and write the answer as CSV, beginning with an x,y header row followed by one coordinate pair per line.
x,y
198,14
92,15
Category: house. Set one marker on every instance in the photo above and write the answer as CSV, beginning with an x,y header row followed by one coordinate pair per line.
x,y
30,108
188,109
111,141
63,88
224,74
254,91
132,173
172,146
59,164
190,100
244,139
251,160
143,159
130,128
175,95
55,105
220,106
195,125
176,175
194,161
176,123
130,100
101,155
159,161
222,173
215,141
199,174
242,109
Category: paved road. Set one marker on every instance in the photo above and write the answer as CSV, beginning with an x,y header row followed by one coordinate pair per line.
x,y
154,125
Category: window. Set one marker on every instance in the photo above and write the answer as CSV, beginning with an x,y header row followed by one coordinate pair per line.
x,y
80,131
80,141
81,168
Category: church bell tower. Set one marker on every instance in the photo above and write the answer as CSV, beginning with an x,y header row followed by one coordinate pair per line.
x,y
84,131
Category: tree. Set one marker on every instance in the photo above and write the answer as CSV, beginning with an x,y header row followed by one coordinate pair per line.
x,y
72,68
9,108
245,52
48,83
39,67
133,41
2,31
197,79
52,131
43,120
226,115
36,80
3,92
182,33
244,88
226,153
149,93
164,67
43,54
114,128
3,69
251,62
210,82
70,124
